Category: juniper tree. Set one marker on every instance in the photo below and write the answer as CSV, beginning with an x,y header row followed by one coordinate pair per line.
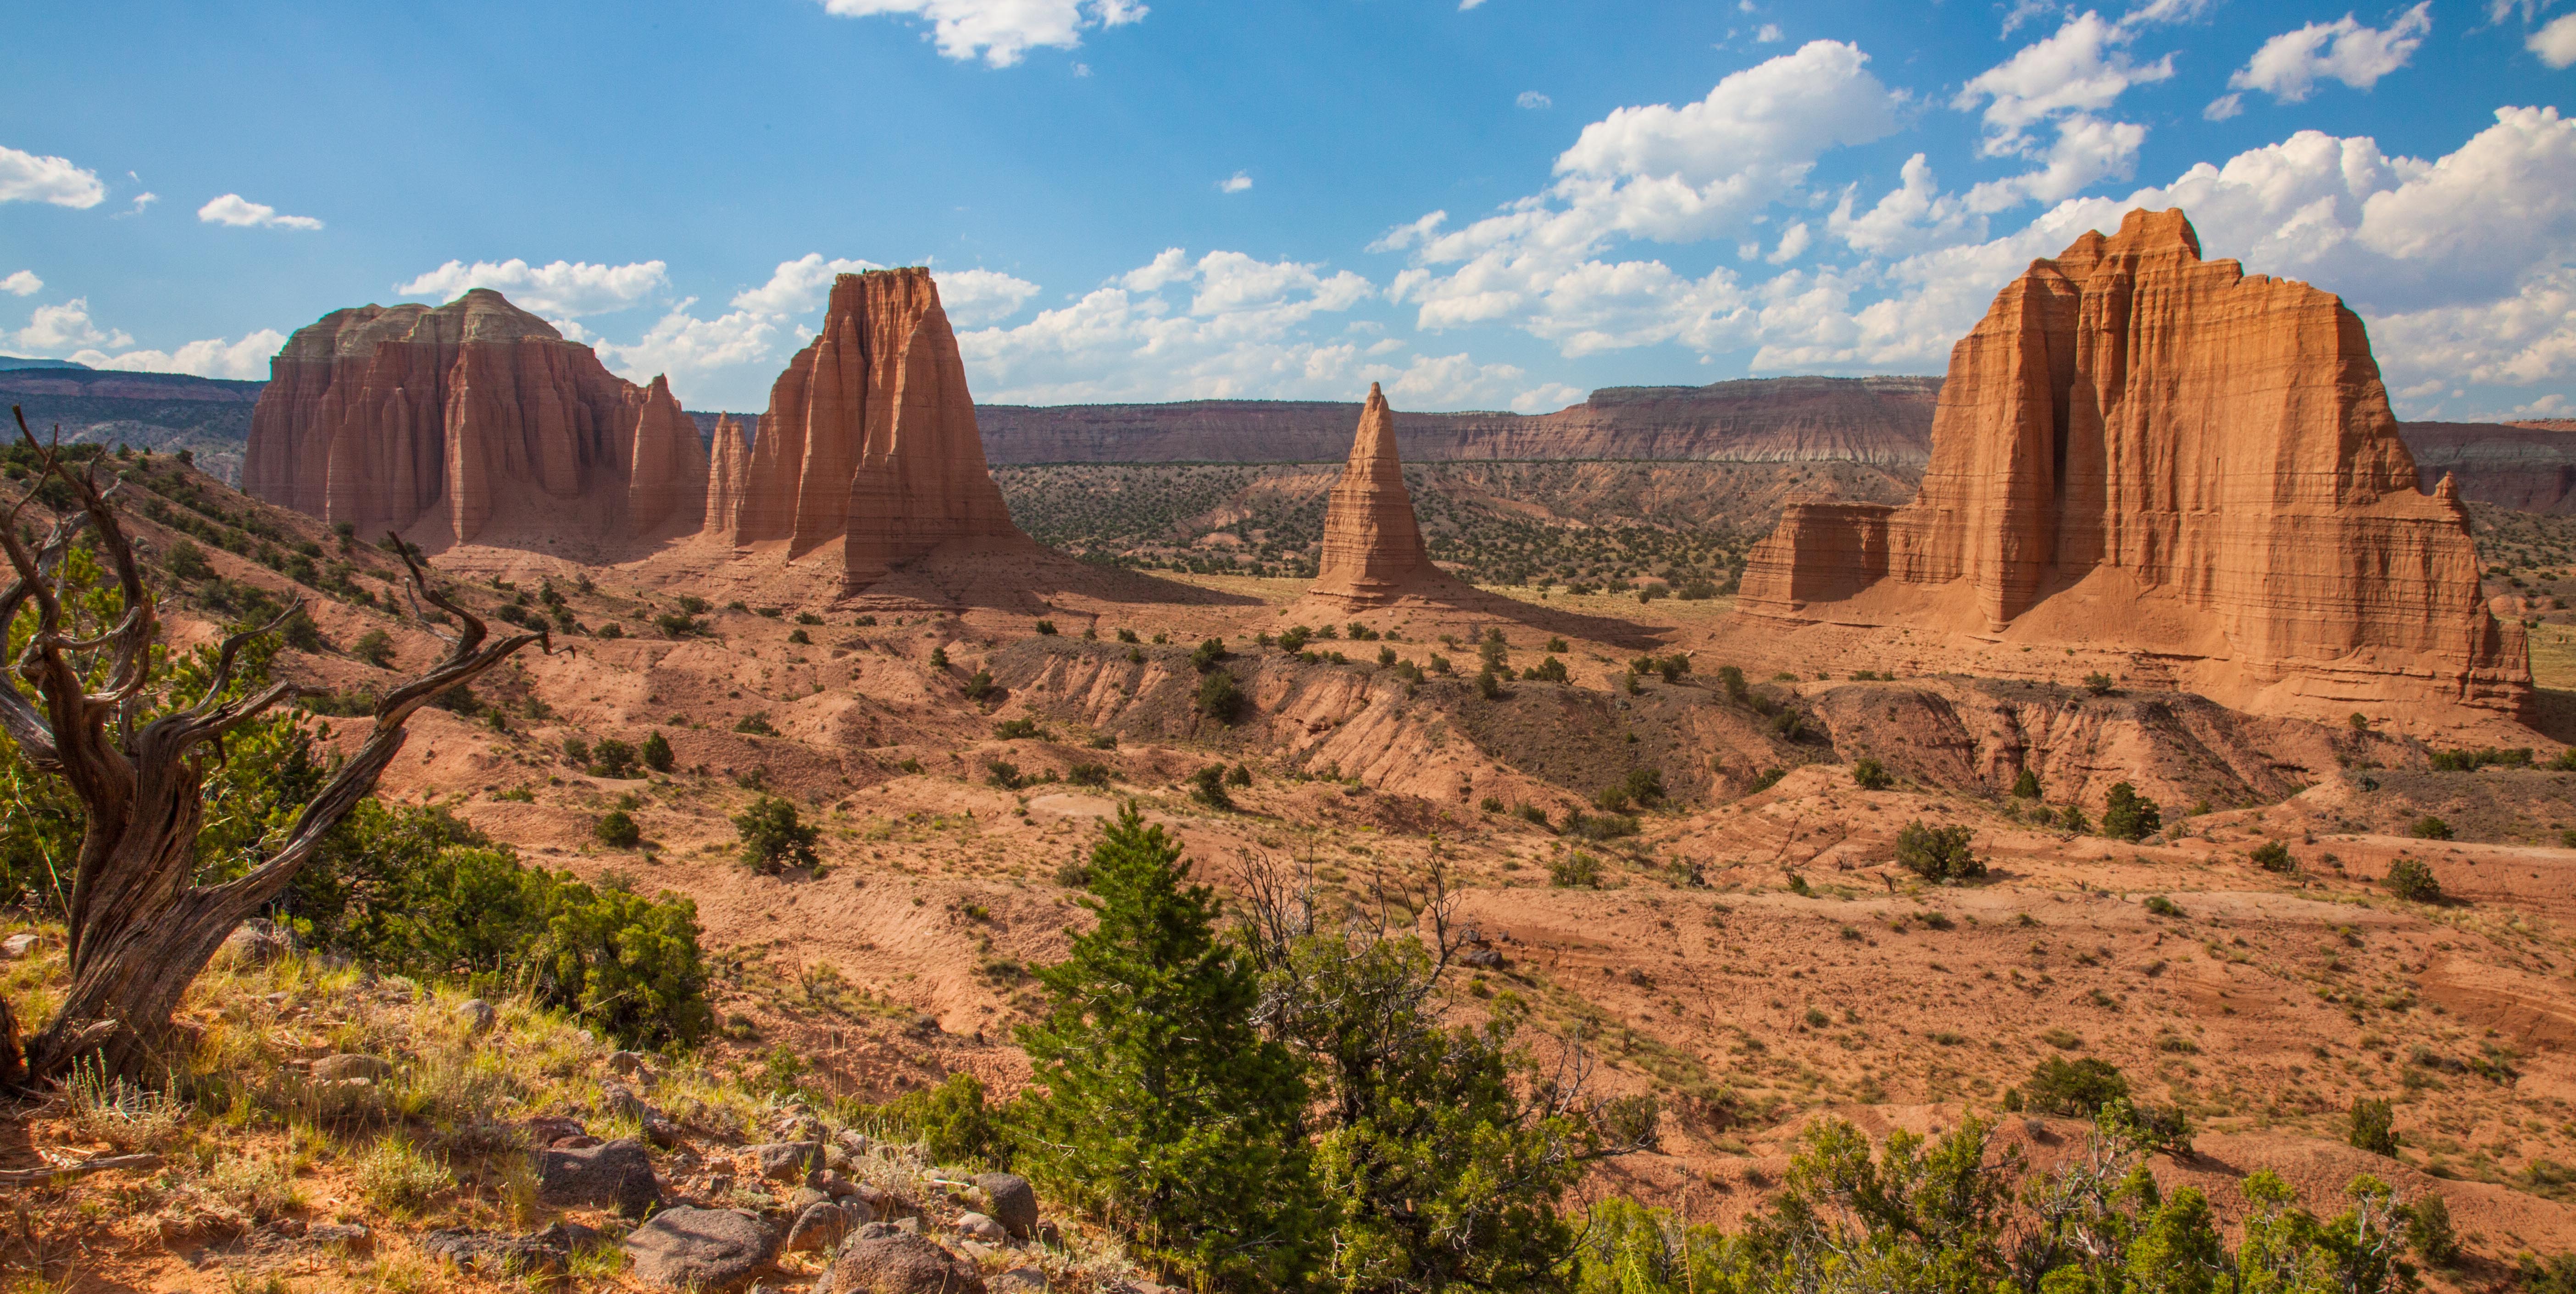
x,y
1159,1108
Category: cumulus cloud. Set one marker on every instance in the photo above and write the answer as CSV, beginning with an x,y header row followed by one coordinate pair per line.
x,y
1658,172
569,289
2289,65
1534,101
2555,43
974,298
1001,32
1235,183
244,360
680,343
1769,34
141,200
28,177
797,286
24,283
59,329
242,213
2080,70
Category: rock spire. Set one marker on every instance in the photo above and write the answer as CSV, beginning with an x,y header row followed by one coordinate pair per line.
x,y
869,439
2140,449
473,422
1373,552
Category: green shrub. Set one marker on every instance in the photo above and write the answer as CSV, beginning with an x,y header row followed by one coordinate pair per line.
x,y
1086,774
1207,654
800,637
1731,678
657,753
773,838
188,562
1219,698
2078,1087
1870,775
617,830
2372,1126
2412,879
1004,774
1549,670
2429,1232
2026,786
375,647
1017,729
953,1123
2162,906
1937,853
755,724
2129,815
2429,827
613,758
1207,786
2273,856
2098,684
979,684
1046,629
1489,686
1574,870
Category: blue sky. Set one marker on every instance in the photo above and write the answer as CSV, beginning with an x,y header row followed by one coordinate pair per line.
x,y
1494,204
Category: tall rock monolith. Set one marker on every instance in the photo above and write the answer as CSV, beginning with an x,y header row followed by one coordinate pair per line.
x,y
1373,552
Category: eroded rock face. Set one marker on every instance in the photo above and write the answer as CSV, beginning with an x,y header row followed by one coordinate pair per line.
x,y
869,439
474,422
2139,446
1373,553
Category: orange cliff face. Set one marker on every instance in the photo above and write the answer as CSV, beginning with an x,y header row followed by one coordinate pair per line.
x,y
870,439
1373,551
474,422
2143,450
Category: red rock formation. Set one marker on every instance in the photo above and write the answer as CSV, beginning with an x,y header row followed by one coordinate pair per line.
x,y
729,468
471,422
1373,553
2138,447
869,438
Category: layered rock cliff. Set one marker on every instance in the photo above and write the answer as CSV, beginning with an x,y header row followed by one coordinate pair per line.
x,y
1373,555
2529,467
2140,448
471,422
1882,421
869,439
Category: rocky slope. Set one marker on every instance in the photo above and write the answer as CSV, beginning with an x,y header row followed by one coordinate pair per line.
x,y
2138,449
162,412
474,422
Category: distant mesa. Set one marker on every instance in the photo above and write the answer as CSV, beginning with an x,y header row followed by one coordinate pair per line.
x,y
1373,555
2140,450
474,422
869,441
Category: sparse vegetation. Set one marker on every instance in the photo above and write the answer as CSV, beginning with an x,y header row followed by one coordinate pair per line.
x,y
773,838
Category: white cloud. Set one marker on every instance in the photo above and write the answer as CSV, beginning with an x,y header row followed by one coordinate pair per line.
x,y
66,327
240,212
797,286
1235,183
244,360
2223,107
1547,398
1696,172
27,177
141,200
1533,100
1769,34
567,288
2555,43
974,298
1001,32
2079,70
1465,5
682,343
2289,65
24,283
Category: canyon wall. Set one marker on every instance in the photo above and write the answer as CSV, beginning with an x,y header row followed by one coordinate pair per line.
x,y
869,440
471,422
2140,448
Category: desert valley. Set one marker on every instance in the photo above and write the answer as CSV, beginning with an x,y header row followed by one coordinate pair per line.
x,y
2131,707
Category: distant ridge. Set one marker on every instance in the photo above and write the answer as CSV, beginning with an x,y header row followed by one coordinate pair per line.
x,y
15,362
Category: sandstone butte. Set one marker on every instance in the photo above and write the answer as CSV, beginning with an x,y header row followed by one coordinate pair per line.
x,y
473,422
2143,451
869,440
1373,553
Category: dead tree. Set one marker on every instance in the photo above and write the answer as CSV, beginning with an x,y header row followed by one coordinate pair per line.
x,y
141,927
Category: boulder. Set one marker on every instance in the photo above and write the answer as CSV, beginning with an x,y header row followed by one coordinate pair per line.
x,y
478,1015
885,1260
542,1253
788,1161
1014,1204
1018,1280
551,1129
710,1251
617,1175
981,1229
255,942
20,945
821,1226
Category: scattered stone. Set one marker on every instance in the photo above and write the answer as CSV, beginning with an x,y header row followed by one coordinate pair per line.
x,y
788,1161
1020,1280
891,1261
852,1140
17,946
982,1229
255,942
1482,958
547,1129
626,1062
1015,1206
486,1252
712,1251
350,1065
805,1198
822,1226
617,1175
479,1016
345,1235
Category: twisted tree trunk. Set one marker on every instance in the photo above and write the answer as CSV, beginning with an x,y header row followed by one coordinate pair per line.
x,y
140,928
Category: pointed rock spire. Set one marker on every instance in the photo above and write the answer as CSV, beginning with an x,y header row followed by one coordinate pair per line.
x,y
1373,551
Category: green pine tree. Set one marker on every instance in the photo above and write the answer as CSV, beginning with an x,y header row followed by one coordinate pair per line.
x,y
1163,1111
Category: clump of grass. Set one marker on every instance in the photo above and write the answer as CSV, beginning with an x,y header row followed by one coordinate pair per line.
x,y
397,1178
118,1112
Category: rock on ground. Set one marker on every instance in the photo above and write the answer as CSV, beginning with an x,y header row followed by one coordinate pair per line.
x,y
884,1260
1015,1205
712,1251
616,1175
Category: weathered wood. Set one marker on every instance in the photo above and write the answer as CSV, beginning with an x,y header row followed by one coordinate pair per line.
x,y
102,1164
